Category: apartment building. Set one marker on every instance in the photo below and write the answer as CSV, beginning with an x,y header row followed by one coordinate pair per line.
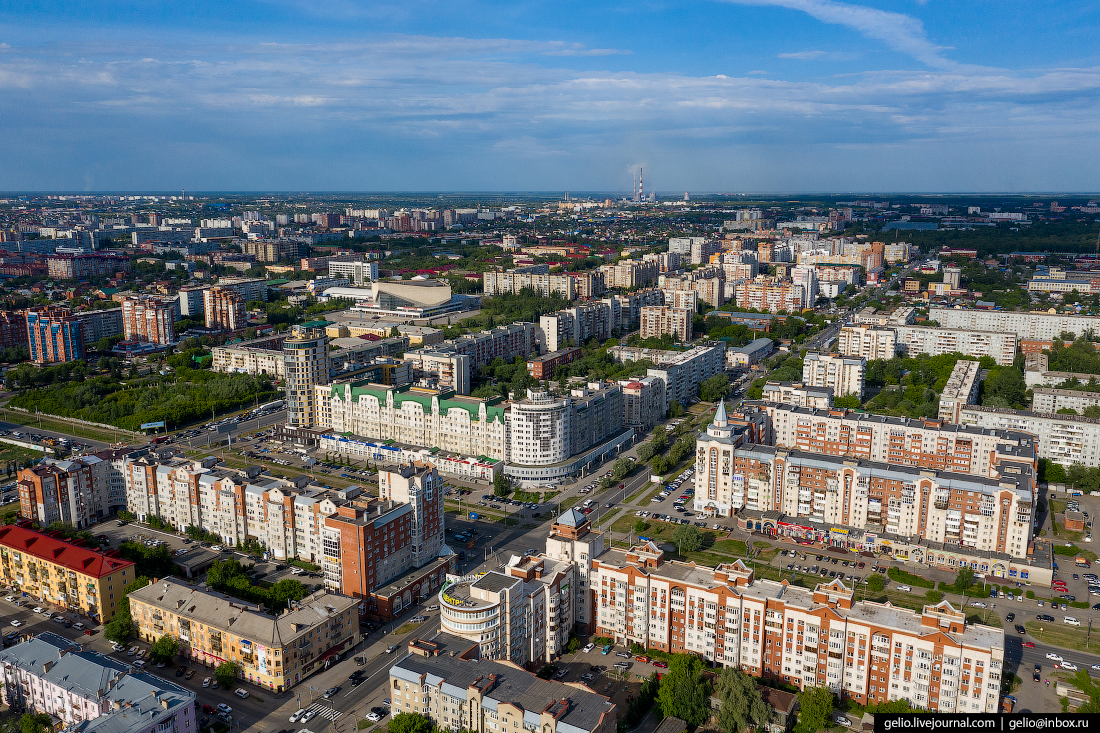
x,y
250,288
61,574
768,294
224,309
504,342
708,283
543,283
701,251
522,614
272,250
843,374
89,691
589,283
926,443
682,299
306,364
414,416
643,401
419,486
666,261
630,274
458,693
13,329
681,371
659,320
551,437
150,319
54,335
626,308
1049,399
262,355
754,352
982,514
574,326
935,341
440,370
82,266
368,556
543,367
357,272
1036,325
1064,439
275,652
820,637
682,245
902,316
870,342
797,394
961,390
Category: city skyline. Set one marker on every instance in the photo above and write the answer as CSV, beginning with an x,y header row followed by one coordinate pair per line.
x,y
751,95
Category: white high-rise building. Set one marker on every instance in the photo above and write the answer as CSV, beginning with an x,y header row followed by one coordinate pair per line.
x,y
870,342
843,374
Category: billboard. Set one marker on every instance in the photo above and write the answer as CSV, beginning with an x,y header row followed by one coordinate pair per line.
x,y
148,425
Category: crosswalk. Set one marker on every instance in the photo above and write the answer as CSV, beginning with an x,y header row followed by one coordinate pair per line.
x,y
324,711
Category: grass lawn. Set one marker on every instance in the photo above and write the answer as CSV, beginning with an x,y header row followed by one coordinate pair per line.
x,y
405,628
1056,507
10,452
569,502
639,492
1058,634
105,435
481,512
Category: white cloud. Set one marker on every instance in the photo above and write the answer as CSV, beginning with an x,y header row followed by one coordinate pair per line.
x,y
900,32
500,102
802,55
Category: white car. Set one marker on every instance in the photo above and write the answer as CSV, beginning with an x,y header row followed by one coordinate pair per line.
x,y
373,717
297,715
241,692
37,609
1054,657
16,622
589,647
140,664
978,604
308,716
223,708
9,599
1070,666
206,682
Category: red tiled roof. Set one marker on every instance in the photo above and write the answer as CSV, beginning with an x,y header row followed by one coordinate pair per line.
x,y
77,559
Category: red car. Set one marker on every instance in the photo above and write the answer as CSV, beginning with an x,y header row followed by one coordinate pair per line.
x,y
662,665
1029,644
208,708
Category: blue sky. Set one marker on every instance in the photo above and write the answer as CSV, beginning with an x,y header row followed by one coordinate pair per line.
x,y
420,95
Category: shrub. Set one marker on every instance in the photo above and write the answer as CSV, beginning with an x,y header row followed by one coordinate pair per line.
x,y
1030,594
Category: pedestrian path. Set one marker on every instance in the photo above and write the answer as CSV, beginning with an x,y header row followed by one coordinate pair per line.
x,y
324,711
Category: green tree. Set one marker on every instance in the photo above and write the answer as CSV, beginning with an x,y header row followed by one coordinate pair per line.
x,y
410,723
621,469
876,583
226,673
849,401
639,526
164,649
684,692
675,409
286,590
502,485
815,703
660,439
964,579
715,388
120,628
688,538
35,723
742,704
